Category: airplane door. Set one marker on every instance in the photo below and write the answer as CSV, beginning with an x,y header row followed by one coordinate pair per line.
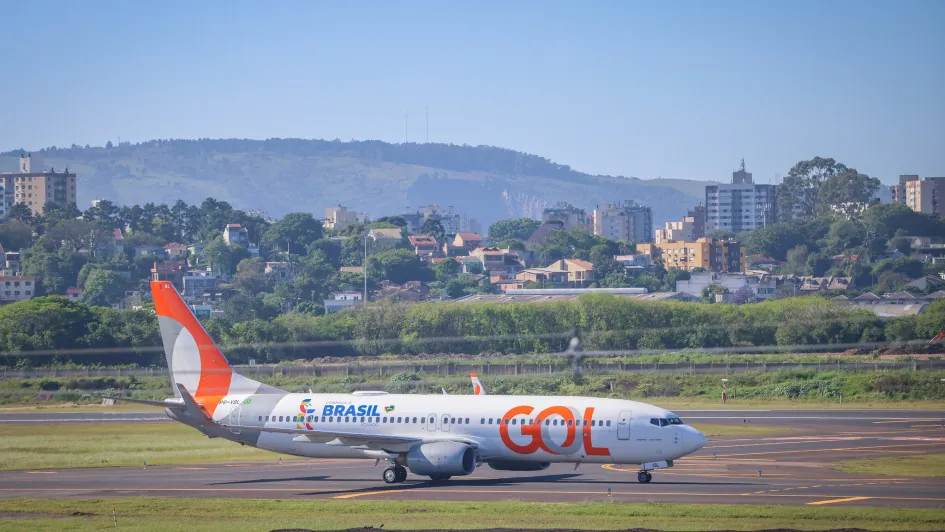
x,y
235,419
431,422
445,425
623,425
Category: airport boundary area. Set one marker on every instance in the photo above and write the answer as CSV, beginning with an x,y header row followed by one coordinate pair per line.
x,y
500,368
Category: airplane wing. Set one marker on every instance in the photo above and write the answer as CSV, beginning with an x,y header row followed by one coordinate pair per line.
x,y
349,439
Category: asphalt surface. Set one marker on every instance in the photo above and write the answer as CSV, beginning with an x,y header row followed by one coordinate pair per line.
x,y
787,468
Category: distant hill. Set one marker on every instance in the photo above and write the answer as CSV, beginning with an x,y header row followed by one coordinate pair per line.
x,y
284,175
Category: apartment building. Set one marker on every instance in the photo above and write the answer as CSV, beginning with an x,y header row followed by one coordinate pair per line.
x,y
925,196
16,288
339,217
741,205
34,187
690,228
566,216
627,221
709,253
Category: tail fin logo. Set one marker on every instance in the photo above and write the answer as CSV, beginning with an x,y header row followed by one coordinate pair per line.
x,y
192,357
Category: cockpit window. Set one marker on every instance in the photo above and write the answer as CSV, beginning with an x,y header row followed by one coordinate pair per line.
x,y
662,422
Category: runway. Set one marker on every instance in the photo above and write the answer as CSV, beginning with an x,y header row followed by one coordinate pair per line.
x,y
786,468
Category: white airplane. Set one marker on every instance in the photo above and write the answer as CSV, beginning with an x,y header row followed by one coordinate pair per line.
x,y
439,436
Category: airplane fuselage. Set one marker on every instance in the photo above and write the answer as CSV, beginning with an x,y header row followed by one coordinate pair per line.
x,y
502,428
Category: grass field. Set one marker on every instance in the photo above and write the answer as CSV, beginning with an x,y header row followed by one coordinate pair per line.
x,y
727,429
115,444
231,515
927,465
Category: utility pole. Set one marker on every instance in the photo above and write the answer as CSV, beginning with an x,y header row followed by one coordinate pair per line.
x,y
365,267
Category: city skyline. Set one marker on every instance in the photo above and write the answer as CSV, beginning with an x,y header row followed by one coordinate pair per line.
x,y
621,89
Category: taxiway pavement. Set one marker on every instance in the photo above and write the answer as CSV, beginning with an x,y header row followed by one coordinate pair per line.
x,y
791,467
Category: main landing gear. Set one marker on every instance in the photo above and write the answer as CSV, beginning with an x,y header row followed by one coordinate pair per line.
x,y
644,477
393,475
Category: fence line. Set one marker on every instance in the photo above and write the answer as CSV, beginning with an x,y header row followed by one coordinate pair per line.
x,y
537,369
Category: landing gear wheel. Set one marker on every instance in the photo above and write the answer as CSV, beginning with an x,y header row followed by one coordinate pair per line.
x,y
390,475
401,473
440,478
643,477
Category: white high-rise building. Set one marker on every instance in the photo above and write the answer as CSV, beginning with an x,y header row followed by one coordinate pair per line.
x,y
741,205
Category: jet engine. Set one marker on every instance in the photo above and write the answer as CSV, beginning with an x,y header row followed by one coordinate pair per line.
x,y
518,465
442,459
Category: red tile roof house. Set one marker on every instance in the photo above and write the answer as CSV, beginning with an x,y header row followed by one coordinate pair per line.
x,y
468,241
425,246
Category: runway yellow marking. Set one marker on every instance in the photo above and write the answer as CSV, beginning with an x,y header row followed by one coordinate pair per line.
x,y
834,501
191,468
362,494
638,493
40,472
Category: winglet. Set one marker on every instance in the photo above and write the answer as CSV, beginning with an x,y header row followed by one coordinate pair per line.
x,y
477,386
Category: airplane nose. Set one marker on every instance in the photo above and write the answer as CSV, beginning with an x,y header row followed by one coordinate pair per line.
x,y
694,440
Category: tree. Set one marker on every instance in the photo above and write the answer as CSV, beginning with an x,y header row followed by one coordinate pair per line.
x,y
21,212
798,193
251,276
398,266
848,193
103,287
219,256
446,270
293,233
103,213
519,229
883,221
397,221
15,234
842,236
743,295
433,228
797,260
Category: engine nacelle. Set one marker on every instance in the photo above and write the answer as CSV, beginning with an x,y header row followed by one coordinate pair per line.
x,y
518,465
442,458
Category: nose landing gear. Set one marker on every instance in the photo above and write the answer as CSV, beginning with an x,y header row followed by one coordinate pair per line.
x,y
393,475
644,477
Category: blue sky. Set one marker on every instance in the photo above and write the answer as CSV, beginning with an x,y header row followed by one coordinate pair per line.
x,y
646,89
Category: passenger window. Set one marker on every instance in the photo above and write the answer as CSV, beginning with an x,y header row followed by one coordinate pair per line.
x,y
608,422
400,420
482,421
490,420
570,422
280,419
347,419
467,421
513,421
547,422
453,420
384,419
555,422
414,420
423,420
506,421
260,418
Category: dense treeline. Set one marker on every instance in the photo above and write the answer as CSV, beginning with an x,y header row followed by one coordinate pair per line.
x,y
58,327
